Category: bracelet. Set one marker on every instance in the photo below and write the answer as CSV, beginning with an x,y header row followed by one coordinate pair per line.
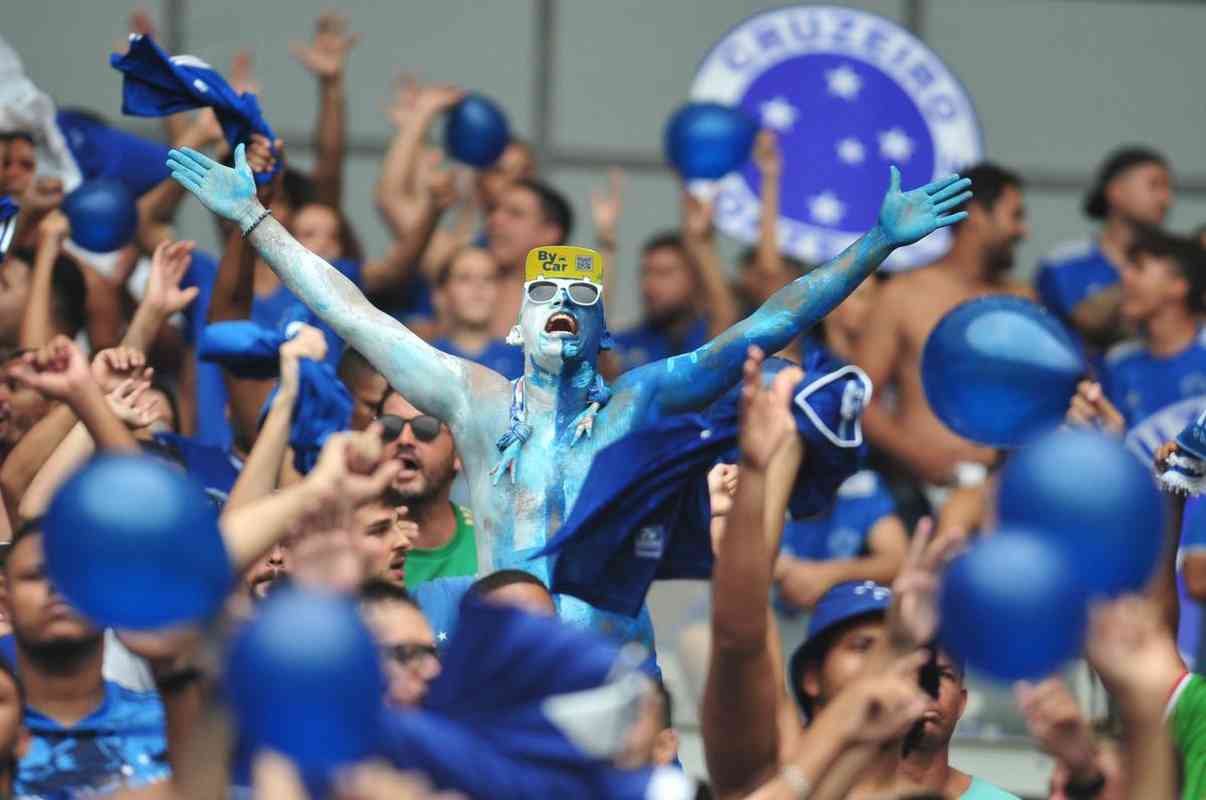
x,y
793,776
258,220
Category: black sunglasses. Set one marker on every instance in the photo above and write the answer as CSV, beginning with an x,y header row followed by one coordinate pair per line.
x,y
424,426
410,651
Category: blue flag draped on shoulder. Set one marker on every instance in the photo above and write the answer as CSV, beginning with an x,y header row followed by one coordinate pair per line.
x,y
156,85
647,515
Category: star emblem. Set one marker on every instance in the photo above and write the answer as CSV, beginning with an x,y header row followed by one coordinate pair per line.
x,y
826,208
443,636
895,145
850,151
778,114
844,82
810,248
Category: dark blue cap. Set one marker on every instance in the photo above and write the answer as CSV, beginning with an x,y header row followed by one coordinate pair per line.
x,y
839,605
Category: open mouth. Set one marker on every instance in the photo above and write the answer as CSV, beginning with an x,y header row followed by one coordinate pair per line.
x,y
409,463
562,322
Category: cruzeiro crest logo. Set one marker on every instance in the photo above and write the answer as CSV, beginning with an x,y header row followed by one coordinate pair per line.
x,y
847,93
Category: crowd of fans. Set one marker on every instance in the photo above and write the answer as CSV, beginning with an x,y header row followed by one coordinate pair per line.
x,y
104,355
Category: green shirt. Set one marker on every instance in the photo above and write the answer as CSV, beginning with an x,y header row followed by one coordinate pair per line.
x,y
1188,706
455,559
983,790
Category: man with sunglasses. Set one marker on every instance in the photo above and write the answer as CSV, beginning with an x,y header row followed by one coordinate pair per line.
x,y
524,445
444,544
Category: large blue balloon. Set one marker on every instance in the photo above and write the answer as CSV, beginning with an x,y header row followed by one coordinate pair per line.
x,y
476,131
708,140
304,679
103,215
132,542
1000,370
1011,607
1092,496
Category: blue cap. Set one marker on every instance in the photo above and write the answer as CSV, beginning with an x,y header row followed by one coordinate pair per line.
x,y
839,605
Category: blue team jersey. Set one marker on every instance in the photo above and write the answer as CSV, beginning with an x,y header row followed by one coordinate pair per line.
x,y
278,310
845,530
213,425
215,468
121,744
503,358
418,305
1071,273
645,343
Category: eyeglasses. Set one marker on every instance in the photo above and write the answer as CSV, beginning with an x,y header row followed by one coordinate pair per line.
x,y
424,426
409,652
581,292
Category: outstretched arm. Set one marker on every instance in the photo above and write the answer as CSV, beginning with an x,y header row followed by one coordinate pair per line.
x,y
695,379
436,383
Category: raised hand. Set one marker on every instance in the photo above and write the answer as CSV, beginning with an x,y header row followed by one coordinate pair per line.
x,y
605,207
308,342
913,616
128,404
112,367
767,156
42,195
1055,721
229,193
53,229
881,708
722,485
1091,408
58,370
697,217
327,54
242,73
168,266
907,217
1128,645
766,419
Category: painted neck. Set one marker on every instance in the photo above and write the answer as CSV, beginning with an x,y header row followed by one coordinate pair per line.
x,y
562,395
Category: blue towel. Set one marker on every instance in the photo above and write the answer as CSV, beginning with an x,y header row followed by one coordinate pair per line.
x,y
646,513
324,405
156,85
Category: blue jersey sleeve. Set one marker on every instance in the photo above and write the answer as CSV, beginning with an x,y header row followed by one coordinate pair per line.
x,y
1062,287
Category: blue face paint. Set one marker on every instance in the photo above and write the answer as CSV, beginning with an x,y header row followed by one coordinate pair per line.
x,y
517,516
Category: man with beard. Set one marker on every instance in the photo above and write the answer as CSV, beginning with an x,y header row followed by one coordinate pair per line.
x,y
527,445
90,735
442,542
908,308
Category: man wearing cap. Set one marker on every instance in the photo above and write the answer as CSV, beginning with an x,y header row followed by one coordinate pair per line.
x,y
1079,281
847,625
527,445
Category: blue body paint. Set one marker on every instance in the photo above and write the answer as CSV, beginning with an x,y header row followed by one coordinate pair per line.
x,y
516,516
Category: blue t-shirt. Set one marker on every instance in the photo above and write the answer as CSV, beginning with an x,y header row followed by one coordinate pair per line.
x,y
503,358
440,601
215,468
123,743
1072,273
213,425
845,530
278,310
1159,397
645,343
418,304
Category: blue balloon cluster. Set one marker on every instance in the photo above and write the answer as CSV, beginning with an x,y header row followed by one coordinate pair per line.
x,y
708,140
1080,518
103,215
304,679
1000,370
132,542
476,131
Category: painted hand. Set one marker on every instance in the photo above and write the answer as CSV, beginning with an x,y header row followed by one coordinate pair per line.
x,y
907,217
585,423
229,193
507,462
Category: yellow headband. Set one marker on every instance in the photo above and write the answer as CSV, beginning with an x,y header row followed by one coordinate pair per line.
x,y
566,262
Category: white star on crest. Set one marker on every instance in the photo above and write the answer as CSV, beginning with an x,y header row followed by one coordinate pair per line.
x,y
443,636
826,208
850,151
778,114
895,145
844,82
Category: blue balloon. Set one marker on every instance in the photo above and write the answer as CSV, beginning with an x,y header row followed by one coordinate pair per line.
x,y
304,679
1092,496
476,131
103,215
1000,370
133,542
708,140
1011,608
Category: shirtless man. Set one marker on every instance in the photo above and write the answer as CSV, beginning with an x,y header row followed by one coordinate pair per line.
x,y
908,308
521,444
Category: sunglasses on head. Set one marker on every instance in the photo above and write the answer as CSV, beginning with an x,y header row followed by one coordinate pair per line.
x,y
424,427
409,652
583,293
